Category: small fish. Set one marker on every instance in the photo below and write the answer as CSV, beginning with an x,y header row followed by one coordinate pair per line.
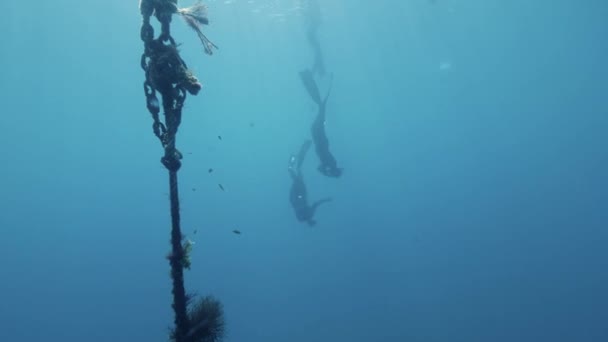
x,y
193,189
194,232
219,137
221,187
237,232
252,124
210,170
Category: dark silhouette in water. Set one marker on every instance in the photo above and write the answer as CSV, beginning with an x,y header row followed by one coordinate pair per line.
x,y
313,16
327,162
311,86
318,66
298,196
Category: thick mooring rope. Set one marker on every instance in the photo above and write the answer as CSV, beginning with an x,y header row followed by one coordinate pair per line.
x,y
177,264
167,74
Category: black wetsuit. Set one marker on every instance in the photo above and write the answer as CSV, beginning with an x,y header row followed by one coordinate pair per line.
x,y
327,162
298,196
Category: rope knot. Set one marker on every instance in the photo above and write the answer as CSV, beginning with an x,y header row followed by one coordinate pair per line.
x,y
172,159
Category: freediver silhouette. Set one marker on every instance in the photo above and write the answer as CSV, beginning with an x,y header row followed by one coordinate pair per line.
x,y
298,195
328,165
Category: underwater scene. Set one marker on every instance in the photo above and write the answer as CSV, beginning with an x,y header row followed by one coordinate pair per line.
x,y
304,170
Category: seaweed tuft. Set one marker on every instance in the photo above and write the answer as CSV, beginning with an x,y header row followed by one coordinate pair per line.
x,y
206,318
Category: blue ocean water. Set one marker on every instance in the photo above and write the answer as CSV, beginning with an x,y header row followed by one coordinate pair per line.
x,y
473,204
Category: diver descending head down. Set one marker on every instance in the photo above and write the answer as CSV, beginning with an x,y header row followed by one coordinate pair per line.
x,y
327,162
298,195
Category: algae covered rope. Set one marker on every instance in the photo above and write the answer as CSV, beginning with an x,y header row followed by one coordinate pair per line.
x,y
167,74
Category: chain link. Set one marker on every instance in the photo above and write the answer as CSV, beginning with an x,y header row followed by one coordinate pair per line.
x,y
167,74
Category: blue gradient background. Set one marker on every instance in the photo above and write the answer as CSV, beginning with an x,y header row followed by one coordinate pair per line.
x,y
473,206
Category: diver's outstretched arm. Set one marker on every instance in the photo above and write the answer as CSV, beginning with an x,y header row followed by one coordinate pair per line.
x,y
315,205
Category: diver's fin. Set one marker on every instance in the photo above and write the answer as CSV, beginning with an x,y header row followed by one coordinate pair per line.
x,y
311,86
331,81
318,68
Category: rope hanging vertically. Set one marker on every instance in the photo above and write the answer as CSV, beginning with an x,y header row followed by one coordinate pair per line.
x,y
167,74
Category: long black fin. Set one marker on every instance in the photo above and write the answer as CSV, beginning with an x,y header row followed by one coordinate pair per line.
x,y
331,81
311,86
